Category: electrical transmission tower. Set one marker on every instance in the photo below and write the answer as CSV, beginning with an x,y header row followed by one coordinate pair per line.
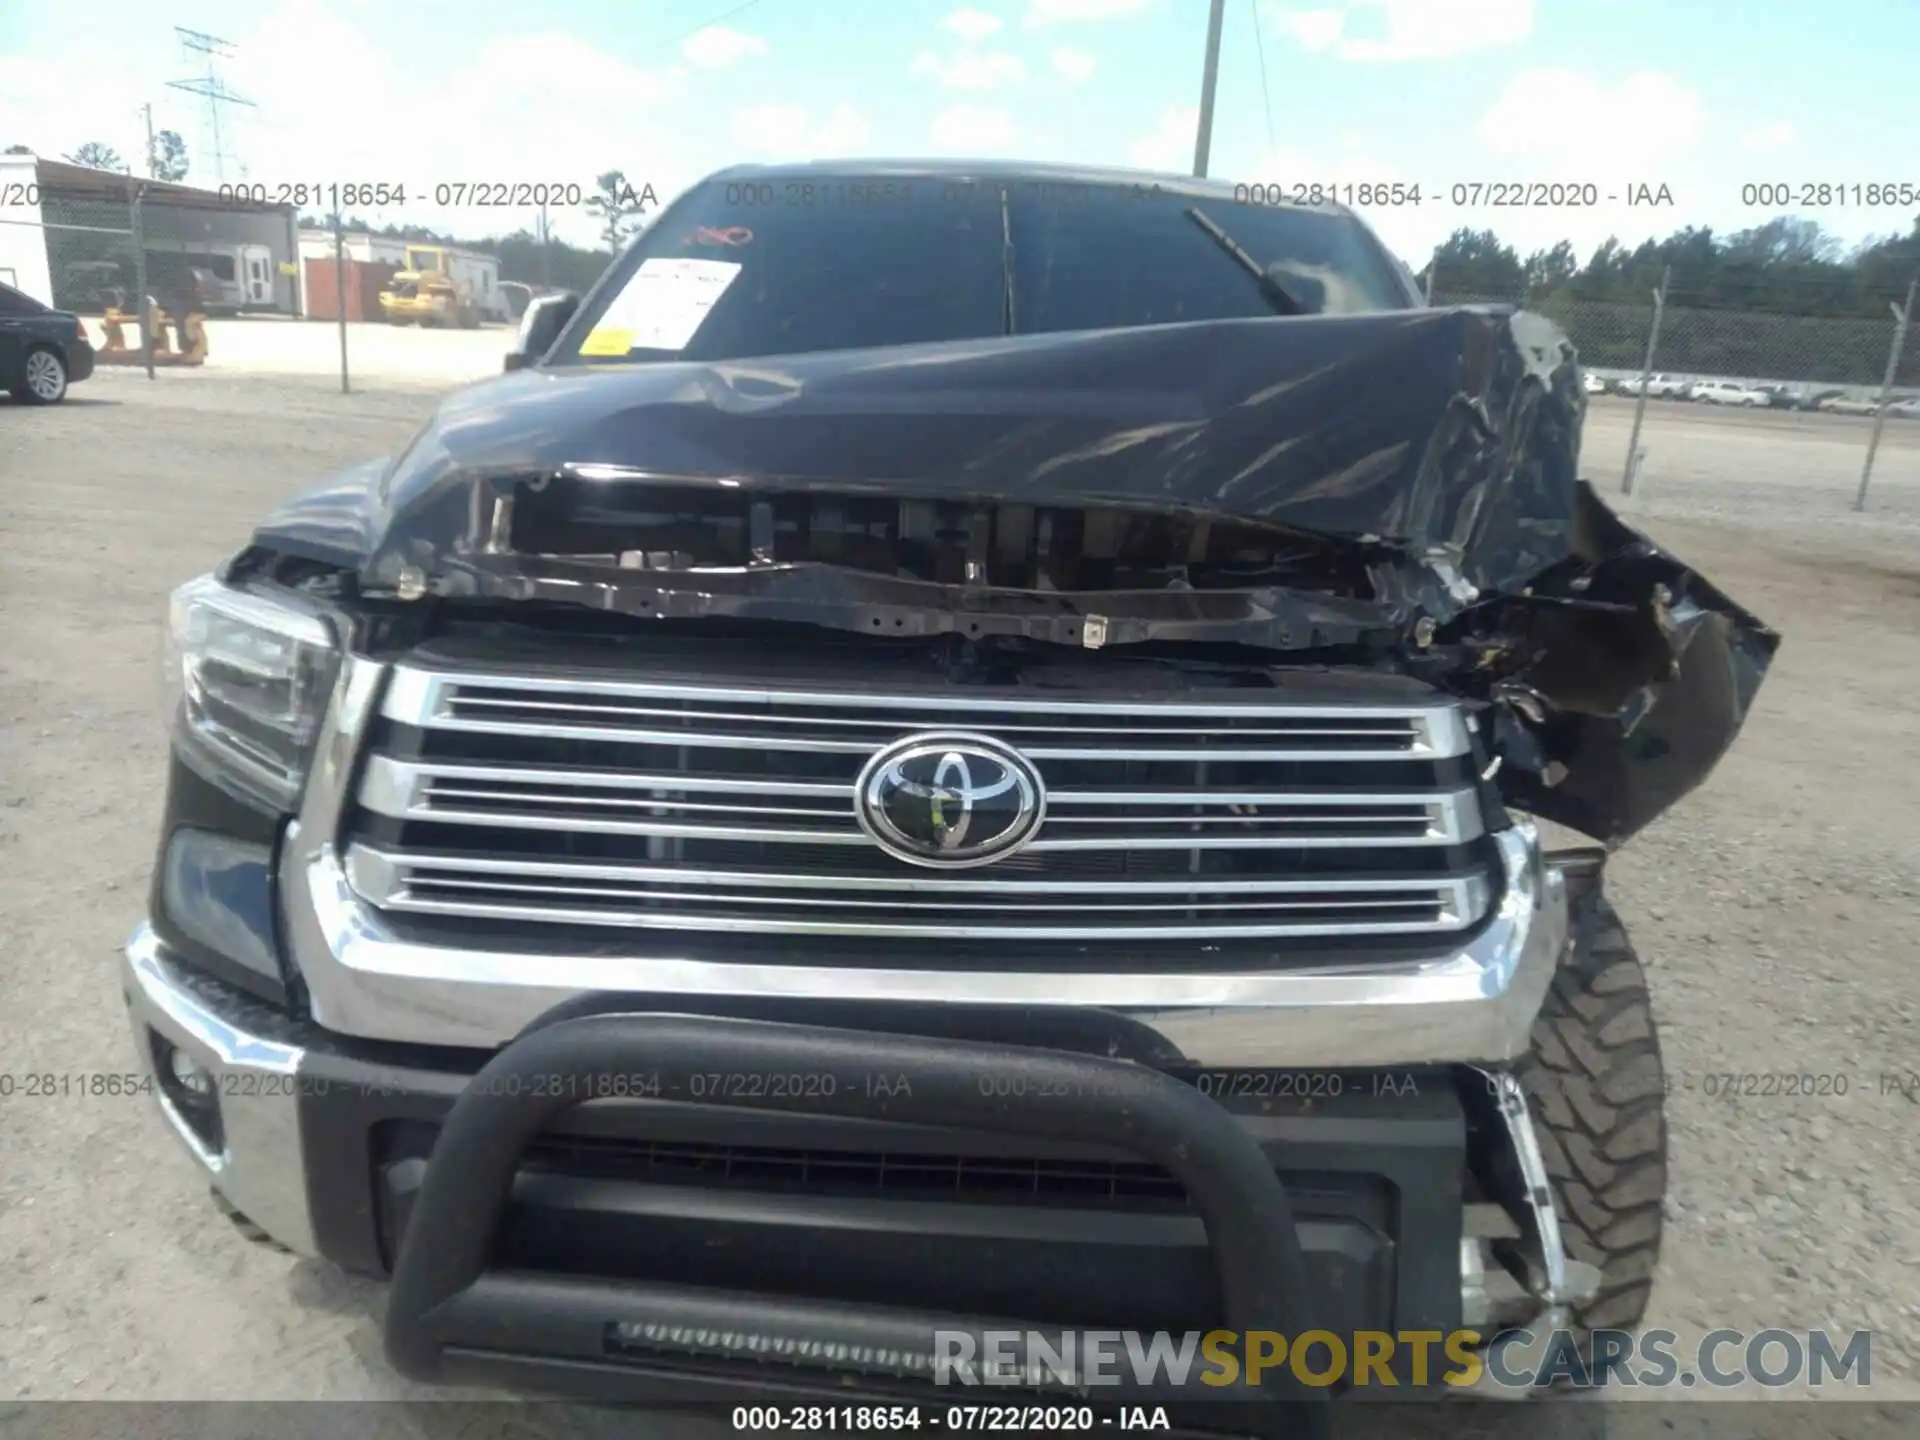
x,y
210,87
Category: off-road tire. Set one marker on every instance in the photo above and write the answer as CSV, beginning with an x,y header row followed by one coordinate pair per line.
x,y
1597,1090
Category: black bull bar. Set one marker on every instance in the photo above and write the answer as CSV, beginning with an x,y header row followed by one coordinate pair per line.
x,y
450,1319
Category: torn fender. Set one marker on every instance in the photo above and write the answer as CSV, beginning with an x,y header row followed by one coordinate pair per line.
x,y
1627,677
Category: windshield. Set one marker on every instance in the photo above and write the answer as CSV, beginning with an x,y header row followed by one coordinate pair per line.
x,y
739,269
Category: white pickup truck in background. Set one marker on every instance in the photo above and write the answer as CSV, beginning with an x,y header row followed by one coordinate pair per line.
x,y
1730,392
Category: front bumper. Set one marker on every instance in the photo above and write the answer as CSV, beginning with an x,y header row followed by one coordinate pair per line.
x,y
323,1144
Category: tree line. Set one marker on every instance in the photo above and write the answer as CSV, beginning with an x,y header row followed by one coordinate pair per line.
x,y
1787,266
1783,301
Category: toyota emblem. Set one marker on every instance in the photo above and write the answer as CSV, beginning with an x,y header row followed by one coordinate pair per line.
x,y
947,798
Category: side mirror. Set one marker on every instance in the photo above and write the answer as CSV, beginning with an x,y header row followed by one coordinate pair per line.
x,y
540,326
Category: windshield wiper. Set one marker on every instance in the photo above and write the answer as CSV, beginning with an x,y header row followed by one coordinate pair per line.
x,y
1278,296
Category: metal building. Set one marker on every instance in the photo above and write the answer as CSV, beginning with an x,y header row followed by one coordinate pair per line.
x,y
74,238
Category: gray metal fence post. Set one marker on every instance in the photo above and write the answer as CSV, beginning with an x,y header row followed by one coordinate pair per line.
x,y
299,275
1646,374
142,305
340,296
1432,265
1902,314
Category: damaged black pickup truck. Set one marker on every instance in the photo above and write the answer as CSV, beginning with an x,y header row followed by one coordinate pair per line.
x,y
955,747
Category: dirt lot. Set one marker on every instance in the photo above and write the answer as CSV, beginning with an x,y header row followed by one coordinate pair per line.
x,y
1777,908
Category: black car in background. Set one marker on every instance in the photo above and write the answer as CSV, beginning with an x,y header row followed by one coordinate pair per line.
x,y
42,350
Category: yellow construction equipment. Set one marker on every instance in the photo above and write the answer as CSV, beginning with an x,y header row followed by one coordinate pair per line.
x,y
425,292
190,333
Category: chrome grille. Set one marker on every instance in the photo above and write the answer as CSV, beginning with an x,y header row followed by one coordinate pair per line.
x,y
597,802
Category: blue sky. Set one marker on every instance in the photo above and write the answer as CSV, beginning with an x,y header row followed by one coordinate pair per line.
x,y
1700,97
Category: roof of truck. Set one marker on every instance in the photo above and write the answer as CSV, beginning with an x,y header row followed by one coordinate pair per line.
x,y
999,170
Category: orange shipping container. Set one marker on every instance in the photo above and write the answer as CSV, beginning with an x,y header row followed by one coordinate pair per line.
x,y
364,280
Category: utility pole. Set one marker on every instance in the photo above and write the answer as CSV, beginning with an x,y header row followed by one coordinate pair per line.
x,y
1209,79
153,160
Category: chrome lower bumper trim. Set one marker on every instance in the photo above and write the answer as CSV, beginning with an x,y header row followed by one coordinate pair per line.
x,y
1475,1003
260,1168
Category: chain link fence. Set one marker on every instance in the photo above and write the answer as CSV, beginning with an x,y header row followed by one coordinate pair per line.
x,y
237,283
144,265
1666,356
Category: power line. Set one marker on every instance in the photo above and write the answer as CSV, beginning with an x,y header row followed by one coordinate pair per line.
x,y
211,87
1260,49
719,19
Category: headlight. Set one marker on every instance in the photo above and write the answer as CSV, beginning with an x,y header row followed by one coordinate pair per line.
x,y
250,678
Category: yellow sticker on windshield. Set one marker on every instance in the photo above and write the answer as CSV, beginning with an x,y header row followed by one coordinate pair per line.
x,y
605,340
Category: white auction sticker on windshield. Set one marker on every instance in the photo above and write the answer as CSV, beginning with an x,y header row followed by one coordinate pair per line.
x,y
662,306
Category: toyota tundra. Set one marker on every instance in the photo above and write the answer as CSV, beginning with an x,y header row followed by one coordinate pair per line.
x,y
953,746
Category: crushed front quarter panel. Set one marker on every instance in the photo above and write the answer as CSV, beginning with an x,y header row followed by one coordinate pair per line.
x,y
1443,443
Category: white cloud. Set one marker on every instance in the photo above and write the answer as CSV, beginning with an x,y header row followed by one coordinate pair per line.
x,y
1073,66
1169,146
1648,115
1316,30
717,47
973,129
1397,30
970,24
1775,136
526,100
1654,135
970,71
789,132
1055,12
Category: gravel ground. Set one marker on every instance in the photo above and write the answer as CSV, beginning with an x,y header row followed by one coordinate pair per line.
x,y
1776,908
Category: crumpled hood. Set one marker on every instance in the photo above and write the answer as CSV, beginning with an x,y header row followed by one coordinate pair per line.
x,y
1392,425
1446,440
